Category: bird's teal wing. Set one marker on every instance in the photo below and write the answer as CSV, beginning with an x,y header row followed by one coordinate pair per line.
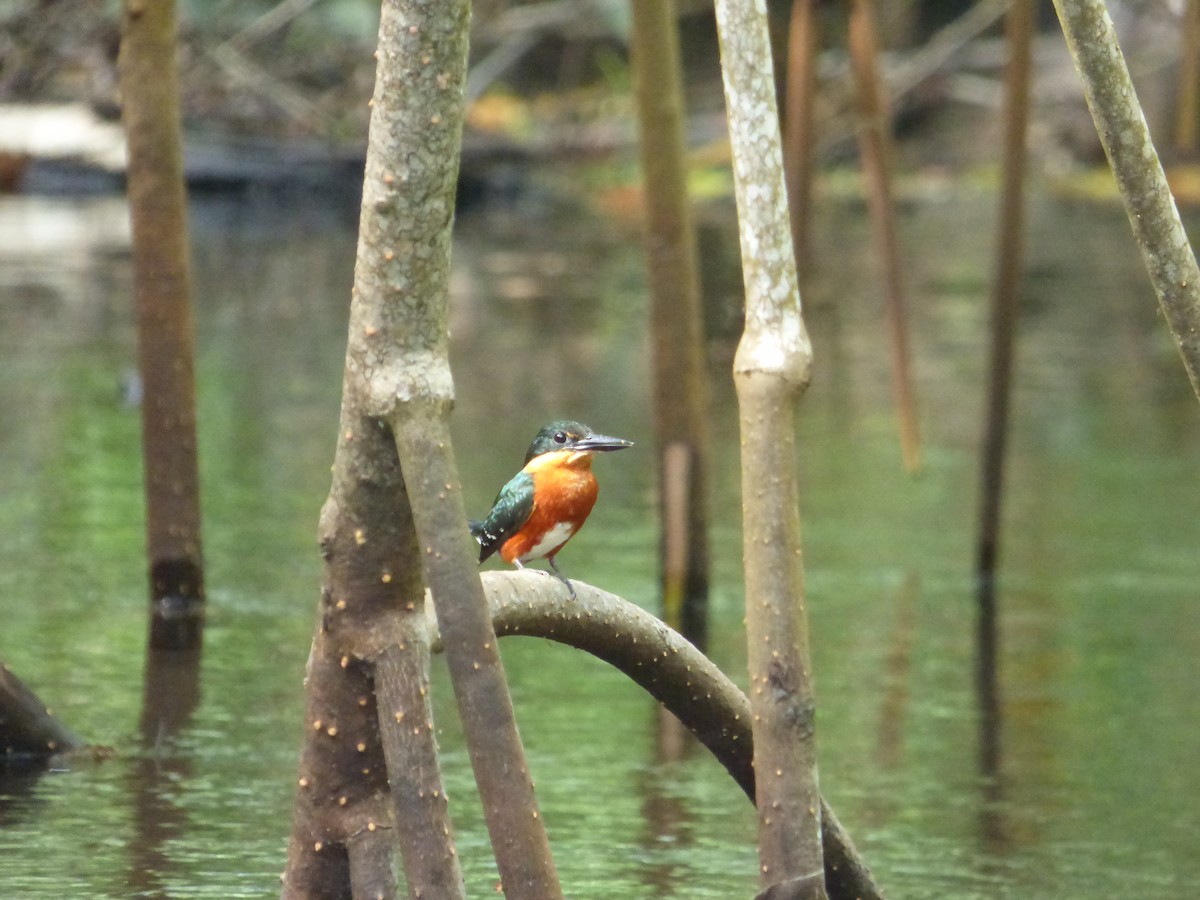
x,y
512,509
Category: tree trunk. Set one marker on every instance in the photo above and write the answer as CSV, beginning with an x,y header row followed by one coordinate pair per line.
x,y
398,357
673,672
1159,232
680,389
1005,289
800,99
162,281
874,148
771,368
1187,83
370,759
369,770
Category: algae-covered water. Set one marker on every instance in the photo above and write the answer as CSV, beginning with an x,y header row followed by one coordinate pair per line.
x,y
1090,792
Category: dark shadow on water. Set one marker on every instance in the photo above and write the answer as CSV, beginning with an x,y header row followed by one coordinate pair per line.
x,y
994,831
668,824
18,790
170,696
893,711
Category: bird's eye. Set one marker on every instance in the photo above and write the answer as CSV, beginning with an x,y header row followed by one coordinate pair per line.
x,y
560,437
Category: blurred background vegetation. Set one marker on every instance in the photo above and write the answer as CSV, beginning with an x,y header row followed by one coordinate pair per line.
x,y
553,76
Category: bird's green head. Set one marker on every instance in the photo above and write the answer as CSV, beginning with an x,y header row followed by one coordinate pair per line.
x,y
567,435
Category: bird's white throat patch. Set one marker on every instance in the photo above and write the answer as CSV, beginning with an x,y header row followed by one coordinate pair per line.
x,y
551,539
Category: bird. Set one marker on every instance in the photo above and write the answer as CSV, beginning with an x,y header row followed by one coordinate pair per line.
x,y
545,504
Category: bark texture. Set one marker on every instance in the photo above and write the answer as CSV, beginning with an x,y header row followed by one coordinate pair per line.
x,y
1005,288
673,672
874,132
771,368
368,707
162,281
680,387
1152,213
800,95
398,354
367,701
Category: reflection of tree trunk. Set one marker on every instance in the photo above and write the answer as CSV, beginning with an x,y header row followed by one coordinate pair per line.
x,y
668,821
158,208
170,695
889,740
987,683
680,390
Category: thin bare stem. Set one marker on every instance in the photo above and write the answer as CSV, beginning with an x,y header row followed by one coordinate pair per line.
x,y
680,389
799,101
1159,231
1006,285
874,147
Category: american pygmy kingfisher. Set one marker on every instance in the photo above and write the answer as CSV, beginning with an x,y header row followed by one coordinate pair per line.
x,y
547,502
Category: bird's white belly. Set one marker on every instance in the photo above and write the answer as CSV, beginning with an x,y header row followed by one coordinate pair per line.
x,y
551,539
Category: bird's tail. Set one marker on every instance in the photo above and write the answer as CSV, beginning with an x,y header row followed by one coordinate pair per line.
x,y
488,542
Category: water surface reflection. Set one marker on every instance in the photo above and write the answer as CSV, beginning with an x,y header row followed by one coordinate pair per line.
x,y
1023,789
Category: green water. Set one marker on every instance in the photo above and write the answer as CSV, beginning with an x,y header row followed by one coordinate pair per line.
x,y
1099,674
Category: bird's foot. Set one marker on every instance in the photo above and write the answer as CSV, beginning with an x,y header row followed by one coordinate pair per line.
x,y
561,577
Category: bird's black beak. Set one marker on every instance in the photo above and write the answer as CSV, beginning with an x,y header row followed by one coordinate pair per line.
x,y
601,442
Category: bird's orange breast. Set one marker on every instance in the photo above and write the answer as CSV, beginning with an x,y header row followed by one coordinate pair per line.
x,y
564,492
